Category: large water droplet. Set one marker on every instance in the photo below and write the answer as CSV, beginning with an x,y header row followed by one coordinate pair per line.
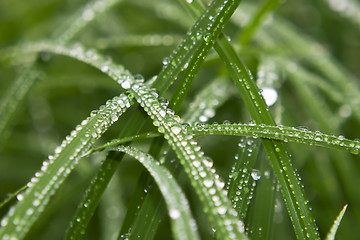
x,y
256,174
174,213
270,95
176,129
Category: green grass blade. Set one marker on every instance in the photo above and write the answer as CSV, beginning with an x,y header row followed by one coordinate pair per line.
x,y
18,91
75,23
183,225
14,99
242,179
55,170
335,226
303,222
260,220
199,169
203,107
283,133
257,18
141,40
191,52
92,198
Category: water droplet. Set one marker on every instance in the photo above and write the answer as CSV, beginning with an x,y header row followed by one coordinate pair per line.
x,y
176,129
256,174
105,68
174,213
126,84
88,14
270,95
207,37
19,197
221,210
208,183
166,61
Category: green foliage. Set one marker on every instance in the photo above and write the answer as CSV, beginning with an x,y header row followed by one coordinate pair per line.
x,y
243,63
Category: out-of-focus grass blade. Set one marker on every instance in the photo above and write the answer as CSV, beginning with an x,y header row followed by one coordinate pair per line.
x,y
55,170
18,91
335,226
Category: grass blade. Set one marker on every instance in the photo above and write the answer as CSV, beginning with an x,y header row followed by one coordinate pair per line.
x,y
206,184
55,170
183,225
335,226
283,133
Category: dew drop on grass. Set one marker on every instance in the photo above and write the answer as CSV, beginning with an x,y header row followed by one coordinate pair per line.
x,y
166,61
126,84
270,95
208,183
88,14
176,129
207,37
221,210
256,174
174,213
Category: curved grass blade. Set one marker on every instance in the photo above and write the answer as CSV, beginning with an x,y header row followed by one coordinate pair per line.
x,y
335,226
146,40
18,91
55,170
283,133
202,108
198,168
183,225
75,23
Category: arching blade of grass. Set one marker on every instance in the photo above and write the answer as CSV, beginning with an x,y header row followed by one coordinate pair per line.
x,y
198,168
82,17
146,40
335,226
18,91
283,133
291,187
183,225
55,170
190,54
202,108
